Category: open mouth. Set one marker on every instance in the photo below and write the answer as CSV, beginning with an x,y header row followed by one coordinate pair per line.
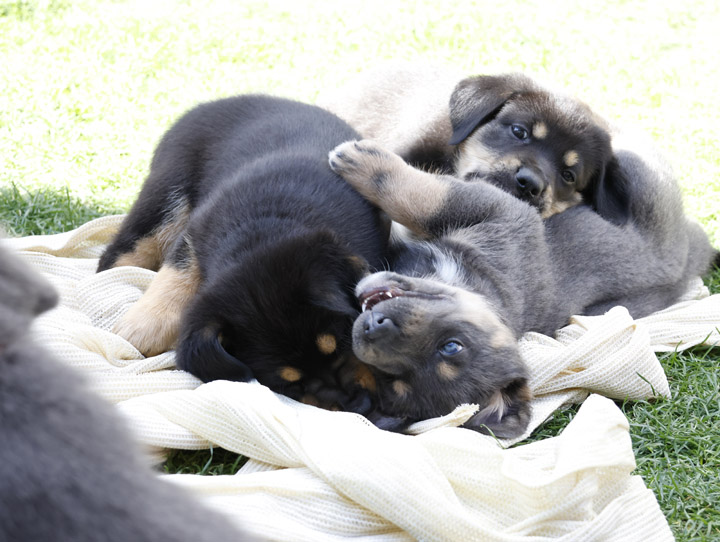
x,y
370,298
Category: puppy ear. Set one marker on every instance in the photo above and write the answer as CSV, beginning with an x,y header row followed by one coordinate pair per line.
x,y
476,100
507,414
335,272
609,194
201,353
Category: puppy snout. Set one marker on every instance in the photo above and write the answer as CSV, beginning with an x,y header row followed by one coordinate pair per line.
x,y
529,183
378,326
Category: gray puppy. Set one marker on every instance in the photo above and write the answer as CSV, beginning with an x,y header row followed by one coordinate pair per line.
x,y
440,329
541,145
68,469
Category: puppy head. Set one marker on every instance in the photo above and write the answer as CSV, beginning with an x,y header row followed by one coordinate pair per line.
x,y
23,295
281,314
434,347
548,149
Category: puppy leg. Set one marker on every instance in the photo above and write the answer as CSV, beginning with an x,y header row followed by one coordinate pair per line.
x,y
148,233
427,204
152,324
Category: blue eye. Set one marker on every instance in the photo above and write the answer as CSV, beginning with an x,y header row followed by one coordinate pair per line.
x,y
519,132
451,348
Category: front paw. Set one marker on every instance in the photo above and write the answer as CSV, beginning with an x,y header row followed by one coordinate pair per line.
x,y
150,333
365,164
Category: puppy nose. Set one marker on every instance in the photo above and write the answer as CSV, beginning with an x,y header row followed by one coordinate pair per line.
x,y
377,325
529,183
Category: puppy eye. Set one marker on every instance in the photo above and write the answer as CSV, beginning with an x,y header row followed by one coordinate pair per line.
x,y
519,132
451,348
568,176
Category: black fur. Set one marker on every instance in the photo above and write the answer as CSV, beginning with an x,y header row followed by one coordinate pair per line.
x,y
279,239
68,469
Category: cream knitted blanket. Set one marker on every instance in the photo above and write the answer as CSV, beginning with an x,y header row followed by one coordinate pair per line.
x,y
315,475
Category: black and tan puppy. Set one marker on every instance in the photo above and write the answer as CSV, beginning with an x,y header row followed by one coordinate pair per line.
x,y
544,147
441,328
68,469
258,243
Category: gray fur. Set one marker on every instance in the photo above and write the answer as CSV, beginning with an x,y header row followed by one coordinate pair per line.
x,y
68,469
529,273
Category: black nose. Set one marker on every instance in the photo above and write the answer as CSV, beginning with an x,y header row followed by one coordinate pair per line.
x,y
529,183
377,325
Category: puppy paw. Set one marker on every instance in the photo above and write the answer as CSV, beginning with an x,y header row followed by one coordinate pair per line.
x,y
366,165
150,334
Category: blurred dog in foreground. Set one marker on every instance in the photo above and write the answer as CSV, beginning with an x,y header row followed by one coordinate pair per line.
x,y
68,469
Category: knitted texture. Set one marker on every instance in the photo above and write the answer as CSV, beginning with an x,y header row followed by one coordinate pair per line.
x,y
317,475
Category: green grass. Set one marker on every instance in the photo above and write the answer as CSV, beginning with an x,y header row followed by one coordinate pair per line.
x,y
89,86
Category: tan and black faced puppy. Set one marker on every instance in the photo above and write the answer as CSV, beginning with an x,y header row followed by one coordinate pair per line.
x,y
543,146
259,246
483,267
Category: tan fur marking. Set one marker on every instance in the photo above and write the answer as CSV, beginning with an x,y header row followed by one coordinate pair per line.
x,y
571,158
310,400
560,206
446,371
146,254
290,374
364,378
150,252
474,157
412,196
540,130
326,343
496,405
502,338
152,324
401,388
476,310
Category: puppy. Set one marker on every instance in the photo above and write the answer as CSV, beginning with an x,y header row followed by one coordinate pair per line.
x,y
69,470
259,246
542,146
441,328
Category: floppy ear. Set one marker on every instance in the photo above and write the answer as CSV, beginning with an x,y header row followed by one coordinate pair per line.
x,y
507,414
335,272
476,100
609,194
201,353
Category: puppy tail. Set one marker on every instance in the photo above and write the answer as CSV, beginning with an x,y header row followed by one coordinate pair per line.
x,y
201,353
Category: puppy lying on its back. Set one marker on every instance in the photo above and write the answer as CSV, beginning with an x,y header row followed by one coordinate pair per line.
x,y
68,471
259,246
544,147
441,329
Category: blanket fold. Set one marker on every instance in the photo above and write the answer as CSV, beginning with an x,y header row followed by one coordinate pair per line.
x,y
319,475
